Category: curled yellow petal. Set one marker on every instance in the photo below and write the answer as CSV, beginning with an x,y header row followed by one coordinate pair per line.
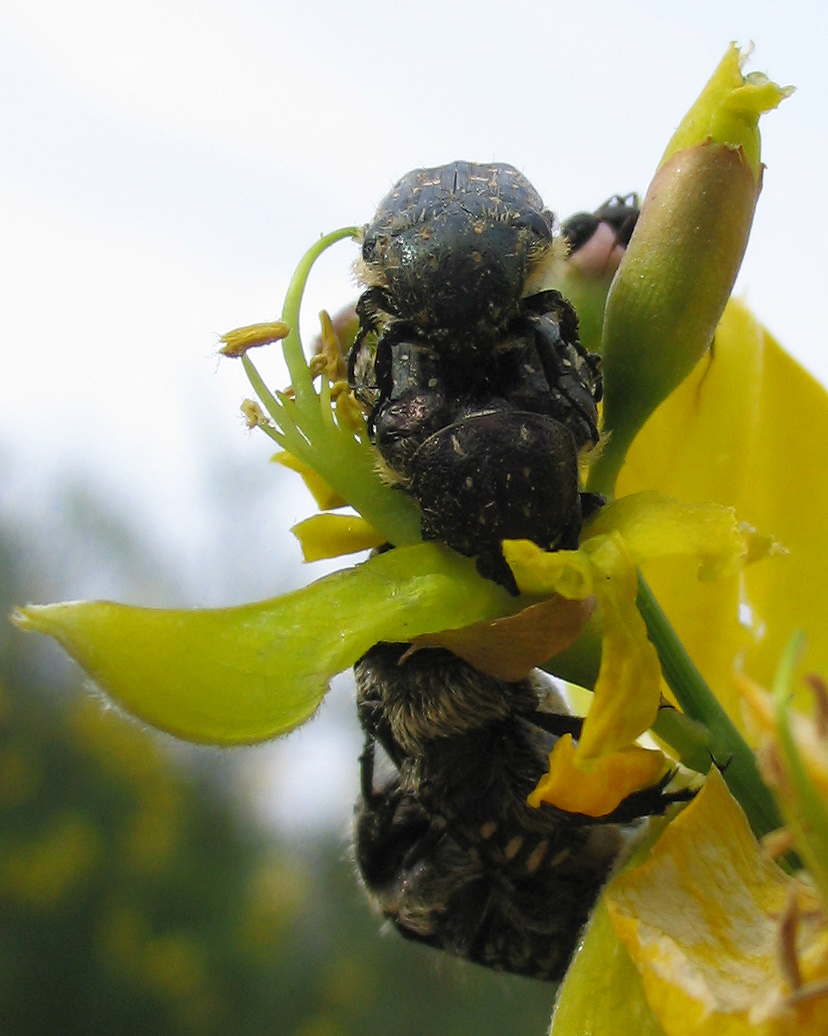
x,y
704,921
654,525
639,528
628,688
331,535
595,788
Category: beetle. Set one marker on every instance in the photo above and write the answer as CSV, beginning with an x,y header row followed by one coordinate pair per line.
x,y
619,214
480,400
480,395
521,915
448,848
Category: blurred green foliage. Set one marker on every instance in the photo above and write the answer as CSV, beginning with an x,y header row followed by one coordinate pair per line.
x,y
138,897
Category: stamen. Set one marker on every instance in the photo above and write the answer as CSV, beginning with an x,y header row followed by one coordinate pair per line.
x,y
786,943
818,686
777,843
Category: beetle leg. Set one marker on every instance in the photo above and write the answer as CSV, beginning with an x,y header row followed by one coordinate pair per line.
x,y
573,377
413,398
551,302
374,306
557,723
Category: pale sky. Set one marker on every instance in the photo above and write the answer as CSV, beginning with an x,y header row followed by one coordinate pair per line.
x,y
166,162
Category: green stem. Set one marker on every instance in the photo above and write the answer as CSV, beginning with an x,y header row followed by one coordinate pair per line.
x,y
727,748
689,738
266,397
603,472
300,376
306,427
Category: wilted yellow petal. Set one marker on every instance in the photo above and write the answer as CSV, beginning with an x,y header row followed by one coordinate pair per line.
x,y
628,688
326,498
595,788
654,525
747,429
702,921
540,572
331,535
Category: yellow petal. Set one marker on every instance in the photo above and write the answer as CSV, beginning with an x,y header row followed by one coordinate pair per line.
x,y
654,525
628,688
702,922
595,789
747,429
727,110
326,498
628,532
541,573
331,535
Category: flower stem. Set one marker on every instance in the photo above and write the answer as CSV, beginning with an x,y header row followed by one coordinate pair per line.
x,y
301,379
306,427
728,750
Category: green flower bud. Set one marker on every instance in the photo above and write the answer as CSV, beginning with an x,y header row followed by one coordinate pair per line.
x,y
682,261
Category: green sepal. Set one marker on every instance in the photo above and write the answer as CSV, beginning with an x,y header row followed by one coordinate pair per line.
x,y
602,991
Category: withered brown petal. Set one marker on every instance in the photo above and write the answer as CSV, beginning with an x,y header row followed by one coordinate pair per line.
x,y
510,648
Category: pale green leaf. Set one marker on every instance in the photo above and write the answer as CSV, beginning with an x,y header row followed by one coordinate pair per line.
x,y
245,674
